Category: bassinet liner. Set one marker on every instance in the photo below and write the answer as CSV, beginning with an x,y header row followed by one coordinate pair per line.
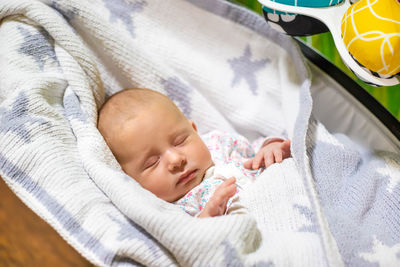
x,y
226,69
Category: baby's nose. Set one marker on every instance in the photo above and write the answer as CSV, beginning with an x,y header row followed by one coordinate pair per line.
x,y
176,161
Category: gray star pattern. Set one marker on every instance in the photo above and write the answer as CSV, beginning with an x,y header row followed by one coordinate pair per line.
x,y
264,264
179,93
16,119
244,68
231,258
58,210
307,212
130,230
120,260
122,10
68,14
73,108
40,46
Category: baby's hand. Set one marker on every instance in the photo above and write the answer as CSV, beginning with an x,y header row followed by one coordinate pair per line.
x,y
216,206
273,152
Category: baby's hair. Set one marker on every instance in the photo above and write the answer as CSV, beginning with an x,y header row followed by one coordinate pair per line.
x,y
125,105
129,98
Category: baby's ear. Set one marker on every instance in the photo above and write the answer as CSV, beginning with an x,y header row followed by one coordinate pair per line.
x,y
193,125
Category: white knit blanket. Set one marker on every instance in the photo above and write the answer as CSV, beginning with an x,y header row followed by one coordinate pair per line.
x,y
331,204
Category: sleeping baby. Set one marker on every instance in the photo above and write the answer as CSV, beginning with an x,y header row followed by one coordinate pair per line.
x,y
160,148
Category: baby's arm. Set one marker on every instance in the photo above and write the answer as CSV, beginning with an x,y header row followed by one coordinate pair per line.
x,y
273,152
216,206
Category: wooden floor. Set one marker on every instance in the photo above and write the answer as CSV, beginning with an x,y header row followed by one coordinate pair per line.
x,y
26,240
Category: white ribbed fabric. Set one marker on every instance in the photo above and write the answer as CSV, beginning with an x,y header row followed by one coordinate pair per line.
x,y
222,65
58,61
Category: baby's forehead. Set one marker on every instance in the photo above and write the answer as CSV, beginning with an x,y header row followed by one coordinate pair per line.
x,y
150,123
132,100
128,105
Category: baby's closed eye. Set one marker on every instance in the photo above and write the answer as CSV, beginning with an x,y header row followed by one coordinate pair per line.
x,y
150,162
180,140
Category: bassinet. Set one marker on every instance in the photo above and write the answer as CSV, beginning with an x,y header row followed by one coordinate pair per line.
x,y
225,68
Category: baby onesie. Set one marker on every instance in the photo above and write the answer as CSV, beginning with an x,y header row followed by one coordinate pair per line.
x,y
229,152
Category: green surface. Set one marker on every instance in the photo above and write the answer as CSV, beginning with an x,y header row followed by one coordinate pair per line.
x,y
387,96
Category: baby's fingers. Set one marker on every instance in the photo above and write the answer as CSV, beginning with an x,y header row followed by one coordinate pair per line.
x,y
286,148
231,180
248,164
269,159
226,190
278,155
221,198
286,143
229,190
257,160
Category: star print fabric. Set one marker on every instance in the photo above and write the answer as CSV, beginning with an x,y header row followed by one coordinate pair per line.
x,y
245,68
226,69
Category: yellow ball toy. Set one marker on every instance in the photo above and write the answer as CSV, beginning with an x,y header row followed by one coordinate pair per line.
x,y
371,31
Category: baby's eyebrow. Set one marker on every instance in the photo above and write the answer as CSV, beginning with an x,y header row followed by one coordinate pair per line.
x,y
177,132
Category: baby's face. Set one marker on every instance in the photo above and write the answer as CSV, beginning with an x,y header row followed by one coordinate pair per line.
x,y
162,150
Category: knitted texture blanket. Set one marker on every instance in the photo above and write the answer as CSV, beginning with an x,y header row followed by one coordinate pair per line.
x,y
333,203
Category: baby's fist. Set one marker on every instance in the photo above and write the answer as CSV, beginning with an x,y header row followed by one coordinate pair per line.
x,y
216,206
273,152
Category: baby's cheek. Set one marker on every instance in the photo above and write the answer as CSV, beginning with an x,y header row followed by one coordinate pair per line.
x,y
150,183
201,151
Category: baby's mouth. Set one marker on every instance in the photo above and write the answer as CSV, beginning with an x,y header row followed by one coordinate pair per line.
x,y
187,176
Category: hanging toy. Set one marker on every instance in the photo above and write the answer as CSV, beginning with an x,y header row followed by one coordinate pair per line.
x,y
371,32
366,32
